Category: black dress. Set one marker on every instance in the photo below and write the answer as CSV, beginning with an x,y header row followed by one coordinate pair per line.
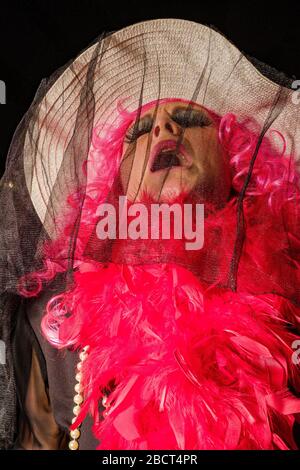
x,y
45,380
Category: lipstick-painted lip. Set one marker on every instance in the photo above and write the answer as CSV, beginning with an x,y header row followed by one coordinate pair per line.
x,y
187,161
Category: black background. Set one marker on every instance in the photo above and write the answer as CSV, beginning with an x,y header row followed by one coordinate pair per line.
x,y
38,36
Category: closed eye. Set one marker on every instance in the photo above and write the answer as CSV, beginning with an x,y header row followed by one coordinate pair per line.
x,y
142,127
190,118
182,116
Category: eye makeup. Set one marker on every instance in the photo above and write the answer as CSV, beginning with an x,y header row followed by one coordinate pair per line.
x,y
181,115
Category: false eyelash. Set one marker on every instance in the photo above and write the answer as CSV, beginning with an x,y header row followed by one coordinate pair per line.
x,y
184,119
133,133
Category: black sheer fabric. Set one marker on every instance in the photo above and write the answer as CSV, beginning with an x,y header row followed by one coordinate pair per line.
x,y
21,235
46,195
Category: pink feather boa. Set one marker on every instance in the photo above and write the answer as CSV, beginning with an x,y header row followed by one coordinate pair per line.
x,y
193,367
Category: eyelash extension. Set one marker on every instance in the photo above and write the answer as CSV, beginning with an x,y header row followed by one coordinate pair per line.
x,y
186,119
133,133
183,118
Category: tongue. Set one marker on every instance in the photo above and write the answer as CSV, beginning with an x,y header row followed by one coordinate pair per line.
x,y
165,160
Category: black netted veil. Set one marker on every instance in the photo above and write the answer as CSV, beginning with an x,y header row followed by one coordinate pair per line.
x,y
23,234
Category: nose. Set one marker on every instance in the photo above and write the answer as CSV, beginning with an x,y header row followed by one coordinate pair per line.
x,y
165,124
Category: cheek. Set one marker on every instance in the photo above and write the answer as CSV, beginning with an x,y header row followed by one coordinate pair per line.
x,y
212,164
132,163
208,152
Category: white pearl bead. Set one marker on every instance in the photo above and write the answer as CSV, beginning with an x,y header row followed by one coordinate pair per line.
x,y
73,445
82,356
76,410
85,348
74,419
104,400
75,433
79,366
78,377
78,388
78,399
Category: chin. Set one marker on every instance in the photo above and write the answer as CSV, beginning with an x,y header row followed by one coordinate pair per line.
x,y
168,194
169,186
174,192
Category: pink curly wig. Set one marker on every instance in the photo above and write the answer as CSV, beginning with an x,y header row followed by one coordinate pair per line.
x,y
273,177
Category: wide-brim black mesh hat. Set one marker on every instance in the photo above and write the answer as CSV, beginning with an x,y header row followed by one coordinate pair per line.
x,y
151,59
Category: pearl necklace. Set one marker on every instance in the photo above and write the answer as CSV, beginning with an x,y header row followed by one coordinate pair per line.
x,y
78,400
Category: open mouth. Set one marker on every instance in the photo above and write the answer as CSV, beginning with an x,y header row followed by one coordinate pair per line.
x,y
168,154
166,159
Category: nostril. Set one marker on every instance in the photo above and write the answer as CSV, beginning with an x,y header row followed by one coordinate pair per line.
x,y
156,131
169,127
